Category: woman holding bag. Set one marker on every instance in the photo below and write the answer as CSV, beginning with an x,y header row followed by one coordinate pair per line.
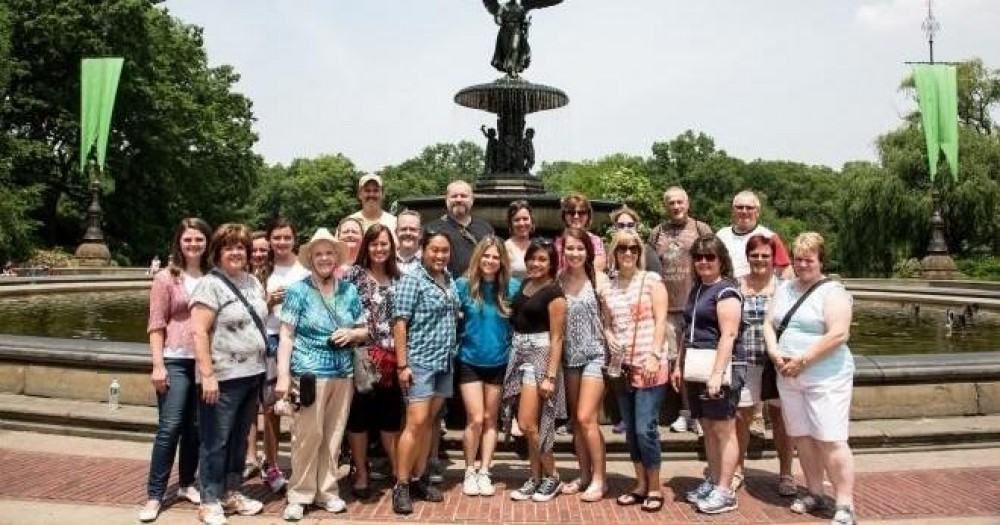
x,y
714,367
636,303
321,319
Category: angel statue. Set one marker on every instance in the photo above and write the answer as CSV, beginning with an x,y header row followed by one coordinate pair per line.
x,y
512,54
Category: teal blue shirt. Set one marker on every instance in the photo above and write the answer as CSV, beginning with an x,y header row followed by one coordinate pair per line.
x,y
313,322
486,338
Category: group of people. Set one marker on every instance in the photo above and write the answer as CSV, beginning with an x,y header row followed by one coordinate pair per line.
x,y
367,330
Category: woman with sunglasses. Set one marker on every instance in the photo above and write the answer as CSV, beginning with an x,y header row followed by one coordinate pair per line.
x,y
583,359
578,213
636,315
713,317
533,384
521,225
626,218
484,292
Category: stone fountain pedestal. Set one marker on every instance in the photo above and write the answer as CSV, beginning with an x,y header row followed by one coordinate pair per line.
x,y
93,251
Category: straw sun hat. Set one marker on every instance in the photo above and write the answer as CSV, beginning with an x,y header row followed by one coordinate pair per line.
x,y
322,235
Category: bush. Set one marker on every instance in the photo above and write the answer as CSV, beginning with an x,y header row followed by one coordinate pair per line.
x,y
983,268
907,269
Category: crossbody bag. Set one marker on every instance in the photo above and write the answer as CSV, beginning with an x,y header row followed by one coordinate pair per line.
x,y
699,363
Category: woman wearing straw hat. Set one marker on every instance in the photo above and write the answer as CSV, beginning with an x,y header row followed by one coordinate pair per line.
x,y
321,319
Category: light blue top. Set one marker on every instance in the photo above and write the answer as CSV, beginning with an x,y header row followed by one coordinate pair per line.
x,y
806,327
313,322
486,337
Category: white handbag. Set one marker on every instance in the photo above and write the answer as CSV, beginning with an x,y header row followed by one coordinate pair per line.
x,y
699,363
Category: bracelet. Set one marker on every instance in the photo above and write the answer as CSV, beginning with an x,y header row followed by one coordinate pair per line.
x,y
551,378
402,367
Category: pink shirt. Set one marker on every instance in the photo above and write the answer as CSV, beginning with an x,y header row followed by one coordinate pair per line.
x,y
632,319
168,310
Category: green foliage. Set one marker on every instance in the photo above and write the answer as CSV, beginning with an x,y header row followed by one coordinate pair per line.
x,y
986,268
907,269
430,172
619,177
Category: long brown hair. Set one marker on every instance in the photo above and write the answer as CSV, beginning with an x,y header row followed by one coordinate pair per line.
x,y
364,258
475,274
177,262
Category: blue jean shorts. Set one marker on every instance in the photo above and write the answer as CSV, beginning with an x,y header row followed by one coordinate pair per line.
x,y
429,383
593,368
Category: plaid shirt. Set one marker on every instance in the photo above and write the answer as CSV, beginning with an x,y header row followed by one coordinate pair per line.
x,y
754,308
430,311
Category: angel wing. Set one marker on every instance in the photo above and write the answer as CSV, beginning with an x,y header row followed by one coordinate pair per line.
x,y
538,4
492,6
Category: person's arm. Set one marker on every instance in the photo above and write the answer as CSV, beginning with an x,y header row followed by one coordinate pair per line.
x,y
730,314
403,307
837,317
600,256
658,297
557,326
159,314
771,336
202,320
286,339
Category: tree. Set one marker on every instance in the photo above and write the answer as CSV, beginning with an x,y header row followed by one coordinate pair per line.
x,y
180,141
430,172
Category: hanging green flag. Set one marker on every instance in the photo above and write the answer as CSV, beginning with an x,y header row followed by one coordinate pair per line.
x,y
98,85
937,92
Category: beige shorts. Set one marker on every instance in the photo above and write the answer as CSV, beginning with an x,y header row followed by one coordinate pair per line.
x,y
750,395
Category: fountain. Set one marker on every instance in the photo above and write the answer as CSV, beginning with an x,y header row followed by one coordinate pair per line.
x,y
510,148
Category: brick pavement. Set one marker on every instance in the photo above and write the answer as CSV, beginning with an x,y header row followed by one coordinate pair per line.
x,y
905,495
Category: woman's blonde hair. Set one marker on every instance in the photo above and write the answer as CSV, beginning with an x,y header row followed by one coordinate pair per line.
x,y
810,242
622,237
475,274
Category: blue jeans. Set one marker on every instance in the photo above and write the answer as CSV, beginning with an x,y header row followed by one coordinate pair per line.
x,y
178,408
640,408
224,429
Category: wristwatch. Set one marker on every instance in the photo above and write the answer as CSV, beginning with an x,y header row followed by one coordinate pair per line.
x,y
402,367
551,378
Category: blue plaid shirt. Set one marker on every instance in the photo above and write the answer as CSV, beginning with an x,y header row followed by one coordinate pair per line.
x,y
304,310
430,312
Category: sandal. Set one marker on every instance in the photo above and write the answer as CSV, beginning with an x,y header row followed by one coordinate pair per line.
x,y
787,486
652,503
632,498
574,487
594,493
737,482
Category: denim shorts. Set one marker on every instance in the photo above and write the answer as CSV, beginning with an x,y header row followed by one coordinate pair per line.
x,y
593,368
720,408
429,383
528,375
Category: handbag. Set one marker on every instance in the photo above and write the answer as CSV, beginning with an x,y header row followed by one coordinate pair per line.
x,y
365,373
623,380
699,363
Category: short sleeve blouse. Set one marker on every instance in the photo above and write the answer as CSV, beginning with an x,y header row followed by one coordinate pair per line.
x,y
530,313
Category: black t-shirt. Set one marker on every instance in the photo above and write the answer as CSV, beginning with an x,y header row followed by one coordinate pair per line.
x,y
463,240
530,313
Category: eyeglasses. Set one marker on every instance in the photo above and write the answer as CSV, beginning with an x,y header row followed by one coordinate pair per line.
x,y
759,256
710,257
634,249
576,213
744,207
625,225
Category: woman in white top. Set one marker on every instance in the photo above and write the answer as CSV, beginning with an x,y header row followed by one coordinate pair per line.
x,y
521,225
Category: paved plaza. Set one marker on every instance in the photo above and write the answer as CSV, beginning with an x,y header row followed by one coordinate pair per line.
x,y
62,479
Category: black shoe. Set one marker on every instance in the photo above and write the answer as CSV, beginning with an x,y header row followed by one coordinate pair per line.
x,y
401,501
423,489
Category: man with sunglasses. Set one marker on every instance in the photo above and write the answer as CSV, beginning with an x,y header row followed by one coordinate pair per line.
x,y
464,230
672,240
746,213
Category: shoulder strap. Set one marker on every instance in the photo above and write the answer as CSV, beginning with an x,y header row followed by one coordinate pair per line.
x,y
239,295
788,316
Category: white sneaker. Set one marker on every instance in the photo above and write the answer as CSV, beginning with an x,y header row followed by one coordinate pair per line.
x,y
189,493
237,503
485,482
679,425
212,514
293,512
335,506
148,512
470,486
695,427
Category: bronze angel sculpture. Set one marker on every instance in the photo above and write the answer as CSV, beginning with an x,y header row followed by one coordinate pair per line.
x,y
512,54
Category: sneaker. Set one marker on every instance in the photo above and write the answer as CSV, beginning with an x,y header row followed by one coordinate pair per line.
x,y
212,514
718,501
275,479
249,469
293,512
378,469
700,493
619,428
237,503
189,493
807,504
757,427
435,470
401,501
335,506
423,489
547,489
485,482
695,427
680,425
843,515
150,511
470,485
526,491
562,430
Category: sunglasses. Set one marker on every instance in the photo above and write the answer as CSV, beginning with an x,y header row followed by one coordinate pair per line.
x,y
631,248
625,225
710,257
576,213
759,256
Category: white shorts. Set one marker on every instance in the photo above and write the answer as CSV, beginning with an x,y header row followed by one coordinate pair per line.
x,y
750,394
820,409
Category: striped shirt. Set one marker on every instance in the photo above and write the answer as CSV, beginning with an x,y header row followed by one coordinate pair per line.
x,y
632,318
430,311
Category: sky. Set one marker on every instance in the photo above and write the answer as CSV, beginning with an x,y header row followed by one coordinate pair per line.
x,y
813,81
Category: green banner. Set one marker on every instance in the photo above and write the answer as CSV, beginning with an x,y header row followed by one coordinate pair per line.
x,y
937,93
98,86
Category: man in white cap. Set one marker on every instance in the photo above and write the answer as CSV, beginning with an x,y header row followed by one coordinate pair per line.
x,y
371,197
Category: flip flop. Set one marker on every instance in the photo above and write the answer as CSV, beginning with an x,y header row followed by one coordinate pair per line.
x,y
632,498
652,504
573,487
